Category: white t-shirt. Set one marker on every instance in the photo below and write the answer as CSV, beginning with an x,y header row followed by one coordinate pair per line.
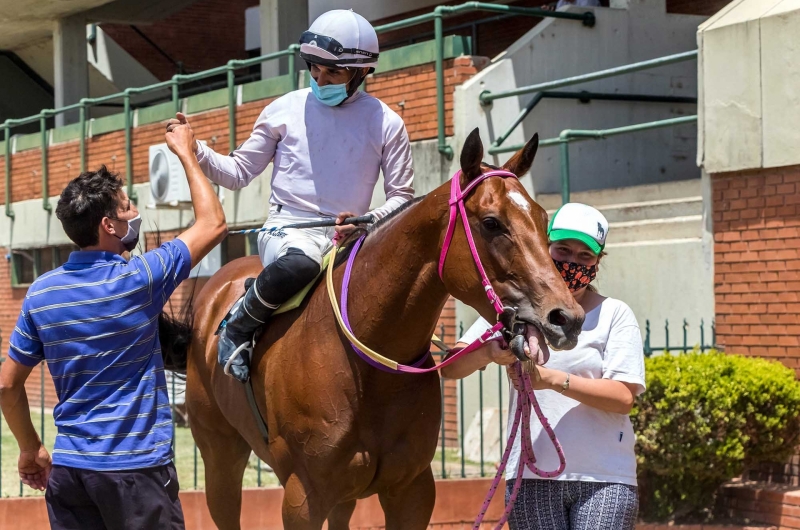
x,y
598,445
326,159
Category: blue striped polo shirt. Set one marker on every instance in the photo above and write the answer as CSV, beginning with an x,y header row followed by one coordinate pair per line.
x,y
95,321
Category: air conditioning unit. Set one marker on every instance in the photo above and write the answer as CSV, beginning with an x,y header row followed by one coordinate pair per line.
x,y
168,185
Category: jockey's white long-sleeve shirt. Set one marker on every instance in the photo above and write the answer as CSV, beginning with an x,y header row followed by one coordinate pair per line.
x,y
326,159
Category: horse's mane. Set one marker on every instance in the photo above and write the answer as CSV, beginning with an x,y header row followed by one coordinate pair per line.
x,y
375,227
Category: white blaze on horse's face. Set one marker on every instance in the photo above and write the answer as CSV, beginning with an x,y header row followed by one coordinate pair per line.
x,y
519,200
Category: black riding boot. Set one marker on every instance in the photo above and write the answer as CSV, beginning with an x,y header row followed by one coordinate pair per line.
x,y
276,284
238,334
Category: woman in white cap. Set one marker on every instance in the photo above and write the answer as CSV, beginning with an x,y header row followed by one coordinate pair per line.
x,y
585,393
327,143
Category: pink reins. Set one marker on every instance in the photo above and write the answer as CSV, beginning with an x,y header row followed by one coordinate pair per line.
x,y
526,399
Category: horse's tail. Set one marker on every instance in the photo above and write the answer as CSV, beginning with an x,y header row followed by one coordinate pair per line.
x,y
176,336
175,333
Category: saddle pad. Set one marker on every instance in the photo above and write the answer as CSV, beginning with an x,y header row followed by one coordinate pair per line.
x,y
295,301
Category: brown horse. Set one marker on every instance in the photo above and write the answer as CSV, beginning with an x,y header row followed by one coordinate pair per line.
x,y
341,430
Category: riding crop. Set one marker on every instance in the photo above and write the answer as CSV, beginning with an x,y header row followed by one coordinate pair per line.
x,y
364,219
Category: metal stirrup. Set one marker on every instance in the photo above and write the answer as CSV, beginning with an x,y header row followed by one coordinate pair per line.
x,y
236,353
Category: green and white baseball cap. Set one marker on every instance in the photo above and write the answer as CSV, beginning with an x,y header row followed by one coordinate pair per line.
x,y
579,221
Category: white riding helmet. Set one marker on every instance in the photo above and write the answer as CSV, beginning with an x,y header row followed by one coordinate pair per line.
x,y
340,38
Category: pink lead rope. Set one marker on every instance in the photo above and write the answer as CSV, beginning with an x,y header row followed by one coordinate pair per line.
x,y
525,399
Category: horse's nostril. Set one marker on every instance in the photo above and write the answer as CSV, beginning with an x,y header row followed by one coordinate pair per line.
x,y
558,317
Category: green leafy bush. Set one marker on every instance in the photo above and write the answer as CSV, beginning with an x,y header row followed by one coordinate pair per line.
x,y
704,418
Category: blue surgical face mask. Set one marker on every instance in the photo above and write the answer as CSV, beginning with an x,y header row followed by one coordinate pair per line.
x,y
330,95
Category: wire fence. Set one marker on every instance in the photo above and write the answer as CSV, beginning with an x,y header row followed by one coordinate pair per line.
x,y
471,438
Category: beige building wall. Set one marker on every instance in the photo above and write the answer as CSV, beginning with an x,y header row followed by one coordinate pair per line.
x,y
749,79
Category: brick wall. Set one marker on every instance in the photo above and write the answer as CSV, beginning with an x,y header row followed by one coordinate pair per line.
x,y
413,87
775,505
204,35
757,263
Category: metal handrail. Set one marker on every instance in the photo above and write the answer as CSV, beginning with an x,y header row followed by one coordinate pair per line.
x,y
487,96
583,97
575,135
440,12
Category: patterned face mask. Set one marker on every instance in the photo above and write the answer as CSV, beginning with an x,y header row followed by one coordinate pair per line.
x,y
576,275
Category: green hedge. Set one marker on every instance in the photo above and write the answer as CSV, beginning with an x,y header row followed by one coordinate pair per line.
x,y
705,418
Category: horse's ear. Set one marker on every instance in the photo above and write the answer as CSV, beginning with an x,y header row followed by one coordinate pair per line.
x,y
471,156
520,163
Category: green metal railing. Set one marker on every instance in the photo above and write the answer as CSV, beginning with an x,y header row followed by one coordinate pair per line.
x,y
451,459
441,12
686,345
573,135
487,96
546,90
85,104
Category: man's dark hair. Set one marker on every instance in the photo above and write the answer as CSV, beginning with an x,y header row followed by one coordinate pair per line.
x,y
85,201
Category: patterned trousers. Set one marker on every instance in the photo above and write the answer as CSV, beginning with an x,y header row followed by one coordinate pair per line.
x,y
573,505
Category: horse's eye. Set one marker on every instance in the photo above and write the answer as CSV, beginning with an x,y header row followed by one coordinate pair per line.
x,y
491,224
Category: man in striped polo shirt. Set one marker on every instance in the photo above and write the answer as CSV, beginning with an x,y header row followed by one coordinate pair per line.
x,y
95,322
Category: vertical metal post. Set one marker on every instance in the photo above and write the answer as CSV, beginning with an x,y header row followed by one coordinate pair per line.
x,y
45,191
666,334
293,67
685,330
648,351
444,475
564,148
195,466
231,108
82,121
461,417
176,102
41,403
438,28
128,144
500,406
172,410
714,333
702,336
480,410
258,466
9,210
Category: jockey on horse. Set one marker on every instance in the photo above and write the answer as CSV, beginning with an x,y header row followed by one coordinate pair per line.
x,y
328,144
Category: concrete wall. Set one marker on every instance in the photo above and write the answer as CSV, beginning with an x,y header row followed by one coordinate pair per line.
x,y
555,49
749,76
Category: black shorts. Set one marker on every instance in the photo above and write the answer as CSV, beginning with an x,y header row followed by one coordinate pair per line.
x,y
141,499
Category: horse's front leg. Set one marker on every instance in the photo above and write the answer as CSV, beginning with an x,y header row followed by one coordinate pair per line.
x,y
410,507
303,507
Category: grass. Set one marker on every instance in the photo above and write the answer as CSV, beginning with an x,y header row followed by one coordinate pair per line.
x,y
189,462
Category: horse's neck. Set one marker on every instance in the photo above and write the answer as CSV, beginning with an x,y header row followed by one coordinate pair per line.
x,y
396,295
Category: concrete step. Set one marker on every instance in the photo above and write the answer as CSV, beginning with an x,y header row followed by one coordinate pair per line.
x,y
653,230
681,189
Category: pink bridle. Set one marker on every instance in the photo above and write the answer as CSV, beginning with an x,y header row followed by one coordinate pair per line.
x,y
527,398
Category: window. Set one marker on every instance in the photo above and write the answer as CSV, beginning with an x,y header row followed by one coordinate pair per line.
x,y
22,267
29,263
